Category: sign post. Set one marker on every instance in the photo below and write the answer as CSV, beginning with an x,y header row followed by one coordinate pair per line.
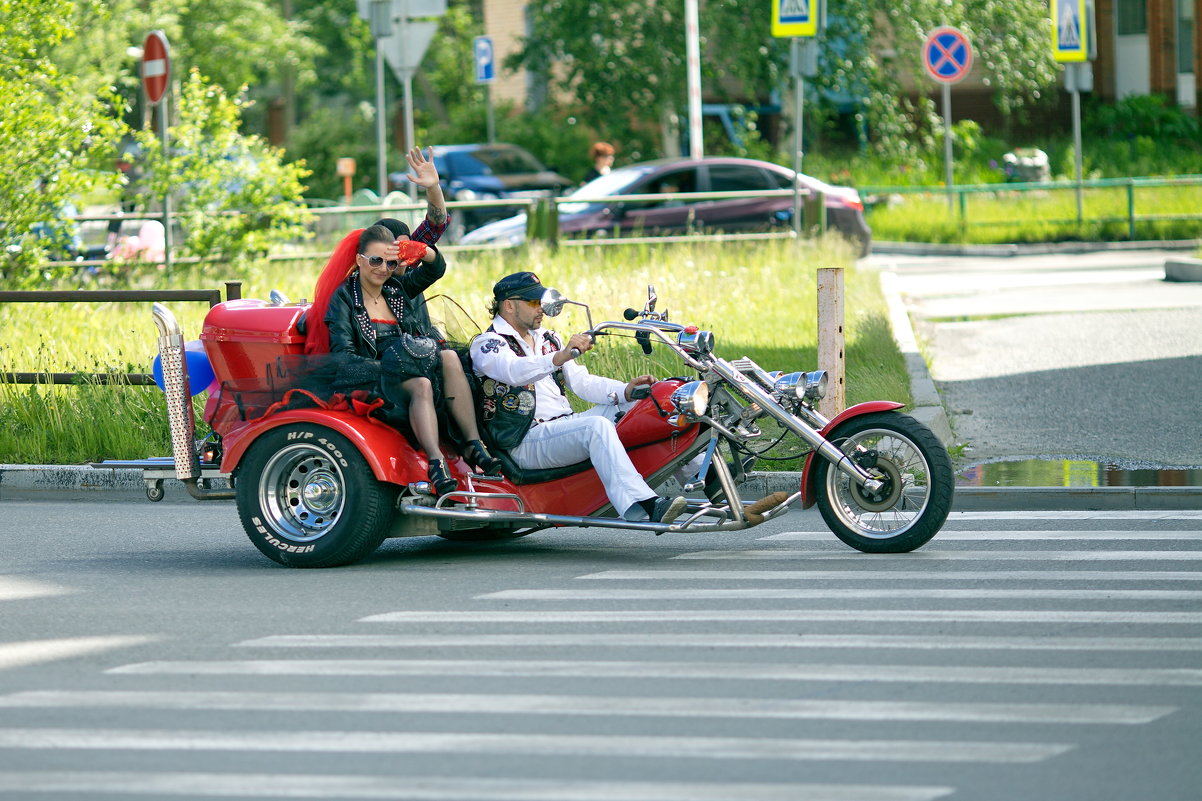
x,y
345,167
1073,45
801,20
401,40
947,57
482,57
692,49
156,80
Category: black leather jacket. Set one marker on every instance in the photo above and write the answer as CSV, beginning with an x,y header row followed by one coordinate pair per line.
x,y
350,325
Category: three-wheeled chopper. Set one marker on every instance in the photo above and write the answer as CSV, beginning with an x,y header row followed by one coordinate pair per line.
x,y
323,483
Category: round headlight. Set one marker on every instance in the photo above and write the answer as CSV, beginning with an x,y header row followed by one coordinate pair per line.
x,y
815,385
789,383
695,341
691,399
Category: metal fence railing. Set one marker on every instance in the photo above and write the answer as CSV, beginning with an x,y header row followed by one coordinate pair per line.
x,y
233,291
1087,213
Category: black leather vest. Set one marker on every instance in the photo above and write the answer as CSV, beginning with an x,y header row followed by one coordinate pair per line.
x,y
508,411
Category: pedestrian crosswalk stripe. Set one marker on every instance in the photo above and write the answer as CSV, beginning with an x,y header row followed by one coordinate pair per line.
x,y
952,535
923,642
586,745
422,788
609,706
931,554
838,593
675,671
437,617
671,574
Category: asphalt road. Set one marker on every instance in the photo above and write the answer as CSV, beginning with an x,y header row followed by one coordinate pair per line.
x,y
147,650
1092,356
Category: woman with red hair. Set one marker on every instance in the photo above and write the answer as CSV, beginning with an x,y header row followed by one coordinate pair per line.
x,y
364,315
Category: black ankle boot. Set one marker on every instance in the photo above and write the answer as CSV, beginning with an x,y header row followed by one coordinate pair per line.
x,y
477,455
440,479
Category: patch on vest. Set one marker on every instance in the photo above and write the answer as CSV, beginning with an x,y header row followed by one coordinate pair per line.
x,y
526,401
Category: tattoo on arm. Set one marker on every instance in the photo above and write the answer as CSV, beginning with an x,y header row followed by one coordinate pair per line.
x,y
436,215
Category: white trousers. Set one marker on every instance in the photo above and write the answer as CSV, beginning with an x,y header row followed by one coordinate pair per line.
x,y
587,435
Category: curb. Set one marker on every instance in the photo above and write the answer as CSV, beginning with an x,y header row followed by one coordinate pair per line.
x,y
1183,269
1004,499
1035,249
928,405
124,484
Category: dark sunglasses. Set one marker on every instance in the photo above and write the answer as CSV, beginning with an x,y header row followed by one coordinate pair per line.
x,y
376,261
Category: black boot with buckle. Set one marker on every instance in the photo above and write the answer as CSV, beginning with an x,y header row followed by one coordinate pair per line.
x,y
440,479
478,456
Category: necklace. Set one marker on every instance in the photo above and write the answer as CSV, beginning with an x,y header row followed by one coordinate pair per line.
x,y
375,297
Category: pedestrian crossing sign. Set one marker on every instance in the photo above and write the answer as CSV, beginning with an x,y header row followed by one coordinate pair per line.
x,y
1070,30
795,17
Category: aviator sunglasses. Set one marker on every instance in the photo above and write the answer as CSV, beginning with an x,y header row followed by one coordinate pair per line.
x,y
375,261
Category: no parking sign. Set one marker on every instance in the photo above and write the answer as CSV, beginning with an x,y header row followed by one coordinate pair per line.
x,y
947,55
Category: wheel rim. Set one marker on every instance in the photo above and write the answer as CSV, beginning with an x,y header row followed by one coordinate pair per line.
x,y
894,509
302,492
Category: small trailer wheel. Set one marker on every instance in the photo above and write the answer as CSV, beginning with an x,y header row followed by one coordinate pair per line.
x,y
154,490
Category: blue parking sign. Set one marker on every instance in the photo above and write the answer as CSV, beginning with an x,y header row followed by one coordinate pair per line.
x,y
483,58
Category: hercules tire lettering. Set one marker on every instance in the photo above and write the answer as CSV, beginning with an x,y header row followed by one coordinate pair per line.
x,y
308,498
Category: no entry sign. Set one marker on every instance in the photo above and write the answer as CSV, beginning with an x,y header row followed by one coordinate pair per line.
x,y
947,55
156,66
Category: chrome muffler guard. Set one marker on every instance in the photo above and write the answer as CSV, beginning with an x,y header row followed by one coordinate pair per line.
x,y
180,420
178,392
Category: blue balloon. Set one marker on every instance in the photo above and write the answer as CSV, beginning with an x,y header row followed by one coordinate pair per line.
x,y
200,370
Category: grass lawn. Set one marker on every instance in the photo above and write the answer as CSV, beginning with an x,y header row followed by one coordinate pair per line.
x,y
757,298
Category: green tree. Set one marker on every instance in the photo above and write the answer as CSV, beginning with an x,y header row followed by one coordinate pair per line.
x,y
52,131
235,195
236,43
622,63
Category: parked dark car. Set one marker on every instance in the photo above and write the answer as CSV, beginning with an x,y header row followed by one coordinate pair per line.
x,y
490,172
844,209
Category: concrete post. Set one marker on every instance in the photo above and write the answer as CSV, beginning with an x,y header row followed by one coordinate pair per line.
x,y
830,339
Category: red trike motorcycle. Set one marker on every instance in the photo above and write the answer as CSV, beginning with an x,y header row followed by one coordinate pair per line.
x,y
324,485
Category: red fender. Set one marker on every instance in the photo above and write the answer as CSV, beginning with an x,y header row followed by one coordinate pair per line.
x,y
386,450
809,495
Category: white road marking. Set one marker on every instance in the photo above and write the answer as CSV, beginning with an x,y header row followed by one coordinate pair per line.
x,y
431,618
930,554
839,593
675,671
36,652
951,574
1004,536
1118,514
921,642
587,745
609,706
421,788
15,588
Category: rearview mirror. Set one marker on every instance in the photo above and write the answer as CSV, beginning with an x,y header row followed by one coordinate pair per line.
x,y
552,302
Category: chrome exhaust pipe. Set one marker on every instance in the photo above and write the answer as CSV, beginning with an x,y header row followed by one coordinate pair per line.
x,y
178,392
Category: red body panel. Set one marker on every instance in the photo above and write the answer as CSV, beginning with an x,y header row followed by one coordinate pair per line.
x,y
244,337
808,494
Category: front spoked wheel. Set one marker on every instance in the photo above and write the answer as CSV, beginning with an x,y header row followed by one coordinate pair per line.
x,y
916,497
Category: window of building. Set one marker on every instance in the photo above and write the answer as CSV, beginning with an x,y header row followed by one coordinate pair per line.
x,y
1131,17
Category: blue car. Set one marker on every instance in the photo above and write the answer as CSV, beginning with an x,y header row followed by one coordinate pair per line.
x,y
489,172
